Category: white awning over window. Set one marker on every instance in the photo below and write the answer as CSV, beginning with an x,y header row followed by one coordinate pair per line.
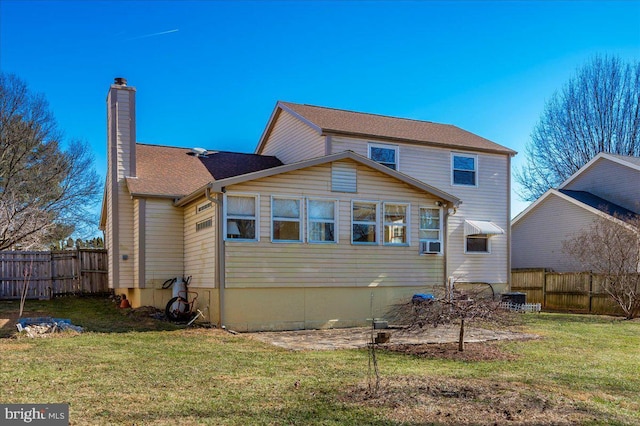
x,y
477,227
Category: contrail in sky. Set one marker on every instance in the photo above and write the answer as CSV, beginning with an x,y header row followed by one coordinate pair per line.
x,y
154,34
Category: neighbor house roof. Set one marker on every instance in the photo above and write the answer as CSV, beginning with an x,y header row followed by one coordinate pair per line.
x,y
330,121
582,199
599,203
170,172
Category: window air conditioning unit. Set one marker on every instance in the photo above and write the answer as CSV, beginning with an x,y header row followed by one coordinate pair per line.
x,y
432,246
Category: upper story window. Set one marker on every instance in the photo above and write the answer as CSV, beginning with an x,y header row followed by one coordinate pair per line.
x,y
386,155
286,219
396,224
464,169
364,220
241,217
322,218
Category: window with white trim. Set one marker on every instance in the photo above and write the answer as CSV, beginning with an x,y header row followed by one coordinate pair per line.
x,y
364,222
386,155
241,217
464,169
430,232
478,243
395,222
286,219
322,221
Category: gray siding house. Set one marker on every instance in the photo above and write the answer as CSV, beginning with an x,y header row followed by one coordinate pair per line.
x,y
607,186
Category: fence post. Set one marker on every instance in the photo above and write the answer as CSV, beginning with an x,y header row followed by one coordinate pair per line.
x,y
590,291
544,288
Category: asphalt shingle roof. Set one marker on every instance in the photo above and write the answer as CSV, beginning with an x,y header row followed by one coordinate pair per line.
x,y
379,126
599,203
224,165
174,172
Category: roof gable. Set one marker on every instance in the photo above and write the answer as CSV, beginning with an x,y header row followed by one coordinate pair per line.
x,y
585,200
219,185
380,127
623,160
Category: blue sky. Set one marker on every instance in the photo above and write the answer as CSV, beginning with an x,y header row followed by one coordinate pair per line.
x,y
208,73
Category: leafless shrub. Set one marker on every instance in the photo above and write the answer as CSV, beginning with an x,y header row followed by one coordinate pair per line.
x,y
612,248
447,307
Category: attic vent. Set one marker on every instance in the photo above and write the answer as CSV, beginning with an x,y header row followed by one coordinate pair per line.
x,y
198,152
343,177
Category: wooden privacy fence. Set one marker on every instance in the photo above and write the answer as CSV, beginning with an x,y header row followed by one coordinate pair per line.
x,y
566,291
49,274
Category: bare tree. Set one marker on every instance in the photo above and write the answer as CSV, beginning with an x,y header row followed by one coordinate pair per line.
x,y
597,111
461,306
612,248
45,192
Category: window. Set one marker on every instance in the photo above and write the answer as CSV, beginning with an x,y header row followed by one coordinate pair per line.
x,y
430,232
386,155
202,207
464,169
286,216
363,222
395,224
203,224
322,221
477,243
241,213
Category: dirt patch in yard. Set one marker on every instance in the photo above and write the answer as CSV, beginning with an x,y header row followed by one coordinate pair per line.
x,y
416,400
485,351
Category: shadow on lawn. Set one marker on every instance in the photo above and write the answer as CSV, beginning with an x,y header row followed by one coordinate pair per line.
x,y
94,314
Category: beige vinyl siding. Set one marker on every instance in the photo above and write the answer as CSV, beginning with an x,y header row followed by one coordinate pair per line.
x,y
126,245
292,140
164,241
199,247
136,243
611,181
537,238
108,232
265,264
487,201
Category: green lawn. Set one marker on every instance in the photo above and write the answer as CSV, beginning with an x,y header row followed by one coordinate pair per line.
x,y
131,370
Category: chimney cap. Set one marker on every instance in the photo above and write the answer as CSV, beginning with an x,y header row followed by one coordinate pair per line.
x,y
120,81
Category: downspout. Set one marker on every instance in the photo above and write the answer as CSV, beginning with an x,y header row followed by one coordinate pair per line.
x,y
448,212
445,238
219,253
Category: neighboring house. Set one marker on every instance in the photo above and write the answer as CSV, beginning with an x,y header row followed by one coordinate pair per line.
x,y
607,186
336,212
